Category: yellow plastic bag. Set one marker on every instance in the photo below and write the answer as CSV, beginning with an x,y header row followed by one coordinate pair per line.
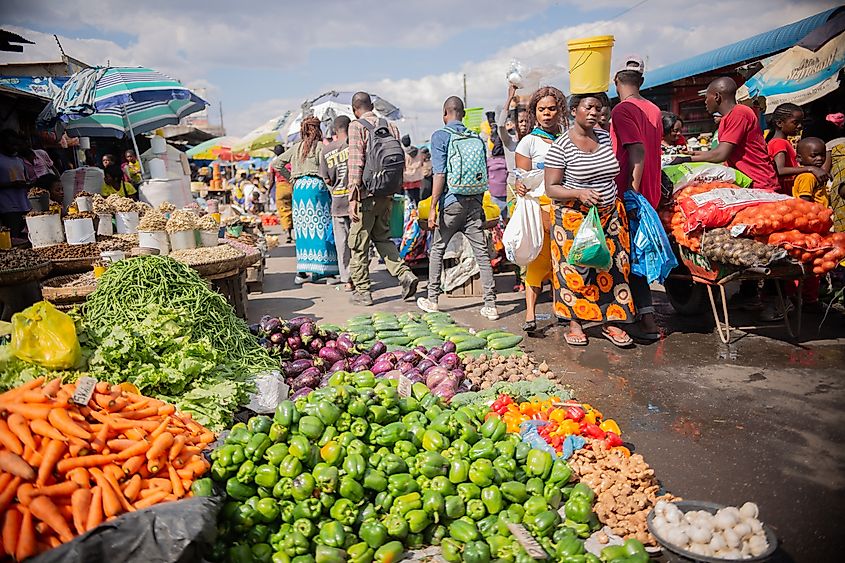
x,y
43,335
424,208
491,210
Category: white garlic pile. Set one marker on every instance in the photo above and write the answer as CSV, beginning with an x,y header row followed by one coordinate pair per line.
x,y
731,533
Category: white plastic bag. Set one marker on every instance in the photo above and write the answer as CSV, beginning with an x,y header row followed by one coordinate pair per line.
x,y
523,237
514,73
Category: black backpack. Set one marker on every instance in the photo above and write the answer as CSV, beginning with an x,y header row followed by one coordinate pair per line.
x,y
385,160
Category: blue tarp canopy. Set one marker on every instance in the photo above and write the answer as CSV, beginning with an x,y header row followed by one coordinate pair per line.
x,y
756,47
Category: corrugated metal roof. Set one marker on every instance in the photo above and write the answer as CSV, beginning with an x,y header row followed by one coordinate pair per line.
x,y
755,47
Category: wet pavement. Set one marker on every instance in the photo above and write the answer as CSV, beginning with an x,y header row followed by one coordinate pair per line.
x,y
760,419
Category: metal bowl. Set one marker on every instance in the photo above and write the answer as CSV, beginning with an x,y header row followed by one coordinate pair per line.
x,y
712,508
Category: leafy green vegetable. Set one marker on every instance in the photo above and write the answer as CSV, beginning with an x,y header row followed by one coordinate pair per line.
x,y
542,388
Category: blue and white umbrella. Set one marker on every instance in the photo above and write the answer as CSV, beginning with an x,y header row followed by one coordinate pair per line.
x,y
330,105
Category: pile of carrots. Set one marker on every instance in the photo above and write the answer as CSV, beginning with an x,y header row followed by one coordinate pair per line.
x,y
66,468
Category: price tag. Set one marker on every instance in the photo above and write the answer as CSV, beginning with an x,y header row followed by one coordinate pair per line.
x,y
527,541
738,230
84,390
405,386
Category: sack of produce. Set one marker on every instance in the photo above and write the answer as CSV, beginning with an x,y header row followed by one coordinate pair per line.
x,y
651,254
717,207
681,175
79,229
589,247
127,222
43,335
792,213
105,224
720,246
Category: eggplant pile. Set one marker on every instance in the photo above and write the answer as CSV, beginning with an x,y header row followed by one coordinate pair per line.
x,y
310,354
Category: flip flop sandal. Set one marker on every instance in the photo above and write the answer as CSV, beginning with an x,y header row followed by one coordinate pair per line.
x,y
618,340
530,326
575,339
636,332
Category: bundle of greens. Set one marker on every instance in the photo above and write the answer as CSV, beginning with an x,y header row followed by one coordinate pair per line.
x,y
540,388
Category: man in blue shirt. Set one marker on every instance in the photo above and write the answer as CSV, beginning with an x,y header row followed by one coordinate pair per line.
x,y
455,213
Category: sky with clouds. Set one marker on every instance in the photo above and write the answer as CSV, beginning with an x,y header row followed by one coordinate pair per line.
x,y
263,57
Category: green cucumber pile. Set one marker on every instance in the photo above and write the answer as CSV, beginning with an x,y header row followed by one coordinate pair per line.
x,y
356,473
400,332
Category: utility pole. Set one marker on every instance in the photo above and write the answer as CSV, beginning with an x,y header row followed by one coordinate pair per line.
x,y
222,128
466,103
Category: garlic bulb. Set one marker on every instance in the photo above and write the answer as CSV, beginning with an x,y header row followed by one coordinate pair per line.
x,y
749,510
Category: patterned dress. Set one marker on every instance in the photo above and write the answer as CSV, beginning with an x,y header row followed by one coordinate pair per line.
x,y
586,294
316,252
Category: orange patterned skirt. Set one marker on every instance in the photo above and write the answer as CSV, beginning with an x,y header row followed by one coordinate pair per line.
x,y
586,294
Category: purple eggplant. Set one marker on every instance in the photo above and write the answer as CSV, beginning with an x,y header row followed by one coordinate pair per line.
x,y
341,365
414,375
330,355
296,367
297,322
331,343
270,324
301,354
420,349
254,329
295,342
378,349
436,376
362,360
330,335
410,357
424,365
277,338
450,361
360,367
381,367
436,353
307,331
345,342
308,378
389,356
302,392
445,390
325,379
316,344
459,373
265,343
392,374
449,347
404,366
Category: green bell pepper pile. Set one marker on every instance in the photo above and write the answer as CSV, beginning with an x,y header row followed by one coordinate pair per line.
x,y
355,473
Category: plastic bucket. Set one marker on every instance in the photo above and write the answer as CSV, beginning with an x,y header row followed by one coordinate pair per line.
x,y
105,226
45,230
80,231
209,238
127,222
83,203
397,217
181,240
589,64
154,239
40,203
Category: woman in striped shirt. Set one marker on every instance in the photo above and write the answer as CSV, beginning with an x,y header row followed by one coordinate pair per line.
x,y
580,172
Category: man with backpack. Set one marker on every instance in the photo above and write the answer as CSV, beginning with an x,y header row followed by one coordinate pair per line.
x,y
459,161
375,170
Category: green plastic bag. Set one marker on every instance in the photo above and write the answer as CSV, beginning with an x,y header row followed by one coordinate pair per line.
x,y
43,335
589,248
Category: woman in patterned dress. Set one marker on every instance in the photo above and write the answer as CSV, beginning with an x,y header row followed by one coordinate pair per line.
x,y
580,172
316,254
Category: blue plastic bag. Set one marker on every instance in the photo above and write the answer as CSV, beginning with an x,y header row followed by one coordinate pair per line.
x,y
651,254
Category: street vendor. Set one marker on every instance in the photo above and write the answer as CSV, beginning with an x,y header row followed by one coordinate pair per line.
x,y
741,143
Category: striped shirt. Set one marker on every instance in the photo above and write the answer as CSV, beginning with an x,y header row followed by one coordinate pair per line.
x,y
586,171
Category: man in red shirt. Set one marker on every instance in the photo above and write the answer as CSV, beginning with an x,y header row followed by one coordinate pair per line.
x,y
741,143
636,129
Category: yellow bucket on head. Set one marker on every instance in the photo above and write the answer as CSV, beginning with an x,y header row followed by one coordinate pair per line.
x,y
589,64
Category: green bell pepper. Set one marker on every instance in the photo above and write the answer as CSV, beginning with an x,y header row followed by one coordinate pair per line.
x,y
326,501
303,486
278,433
332,453
375,480
389,552
286,508
390,434
373,533
354,466
326,476
344,511
397,526
328,413
451,550
431,464
418,520
544,523
351,489
240,553
442,485
360,553
516,512
267,509
476,509
275,454
239,434
535,486
332,534
504,468
286,414
481,472
404,448
435,534
535,505
488,526
482,449
455,507
462,447
476,552
202,487
266,476
405,503
463,531
506,448
561,472
262,553
358,447
401,484
259,423
327,554
415,417
311,427
514,492
377,414
283,488
296,544
246,473
501,547
521,452
309,508
257,445
383,501
357,407
433,503
492,498
290,466
552,495
493,429
569,545
578,509
539,464
458,471
392,464
299,447
468,491
434,441
238,490
305,527
332,433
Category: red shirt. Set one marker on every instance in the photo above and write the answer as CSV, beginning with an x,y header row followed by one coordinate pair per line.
x,y
636,120
741,128
783,145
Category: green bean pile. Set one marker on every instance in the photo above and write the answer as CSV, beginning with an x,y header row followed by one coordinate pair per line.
x,y
128,287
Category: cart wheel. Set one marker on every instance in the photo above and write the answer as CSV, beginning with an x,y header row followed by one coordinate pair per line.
x,y
686,296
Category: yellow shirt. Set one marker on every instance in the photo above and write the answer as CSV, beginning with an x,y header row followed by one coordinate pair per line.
x,y
806,185
126,189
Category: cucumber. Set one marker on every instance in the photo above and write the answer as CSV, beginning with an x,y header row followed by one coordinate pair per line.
x,y
460,337
412,327
330,328
504,342
451,330
382,334
475,353
382,315
428,341
363,336
509,352
361,318
408,317
395,348
420,334
472,343
387,326
397,340
437,315
498,334
486,332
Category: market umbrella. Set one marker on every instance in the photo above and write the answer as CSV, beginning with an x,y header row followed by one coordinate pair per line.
x,y
209,150
333,104
264,136
798,75
115,101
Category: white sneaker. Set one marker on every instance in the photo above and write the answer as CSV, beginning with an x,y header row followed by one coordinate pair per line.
x,y
490,313
427,305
